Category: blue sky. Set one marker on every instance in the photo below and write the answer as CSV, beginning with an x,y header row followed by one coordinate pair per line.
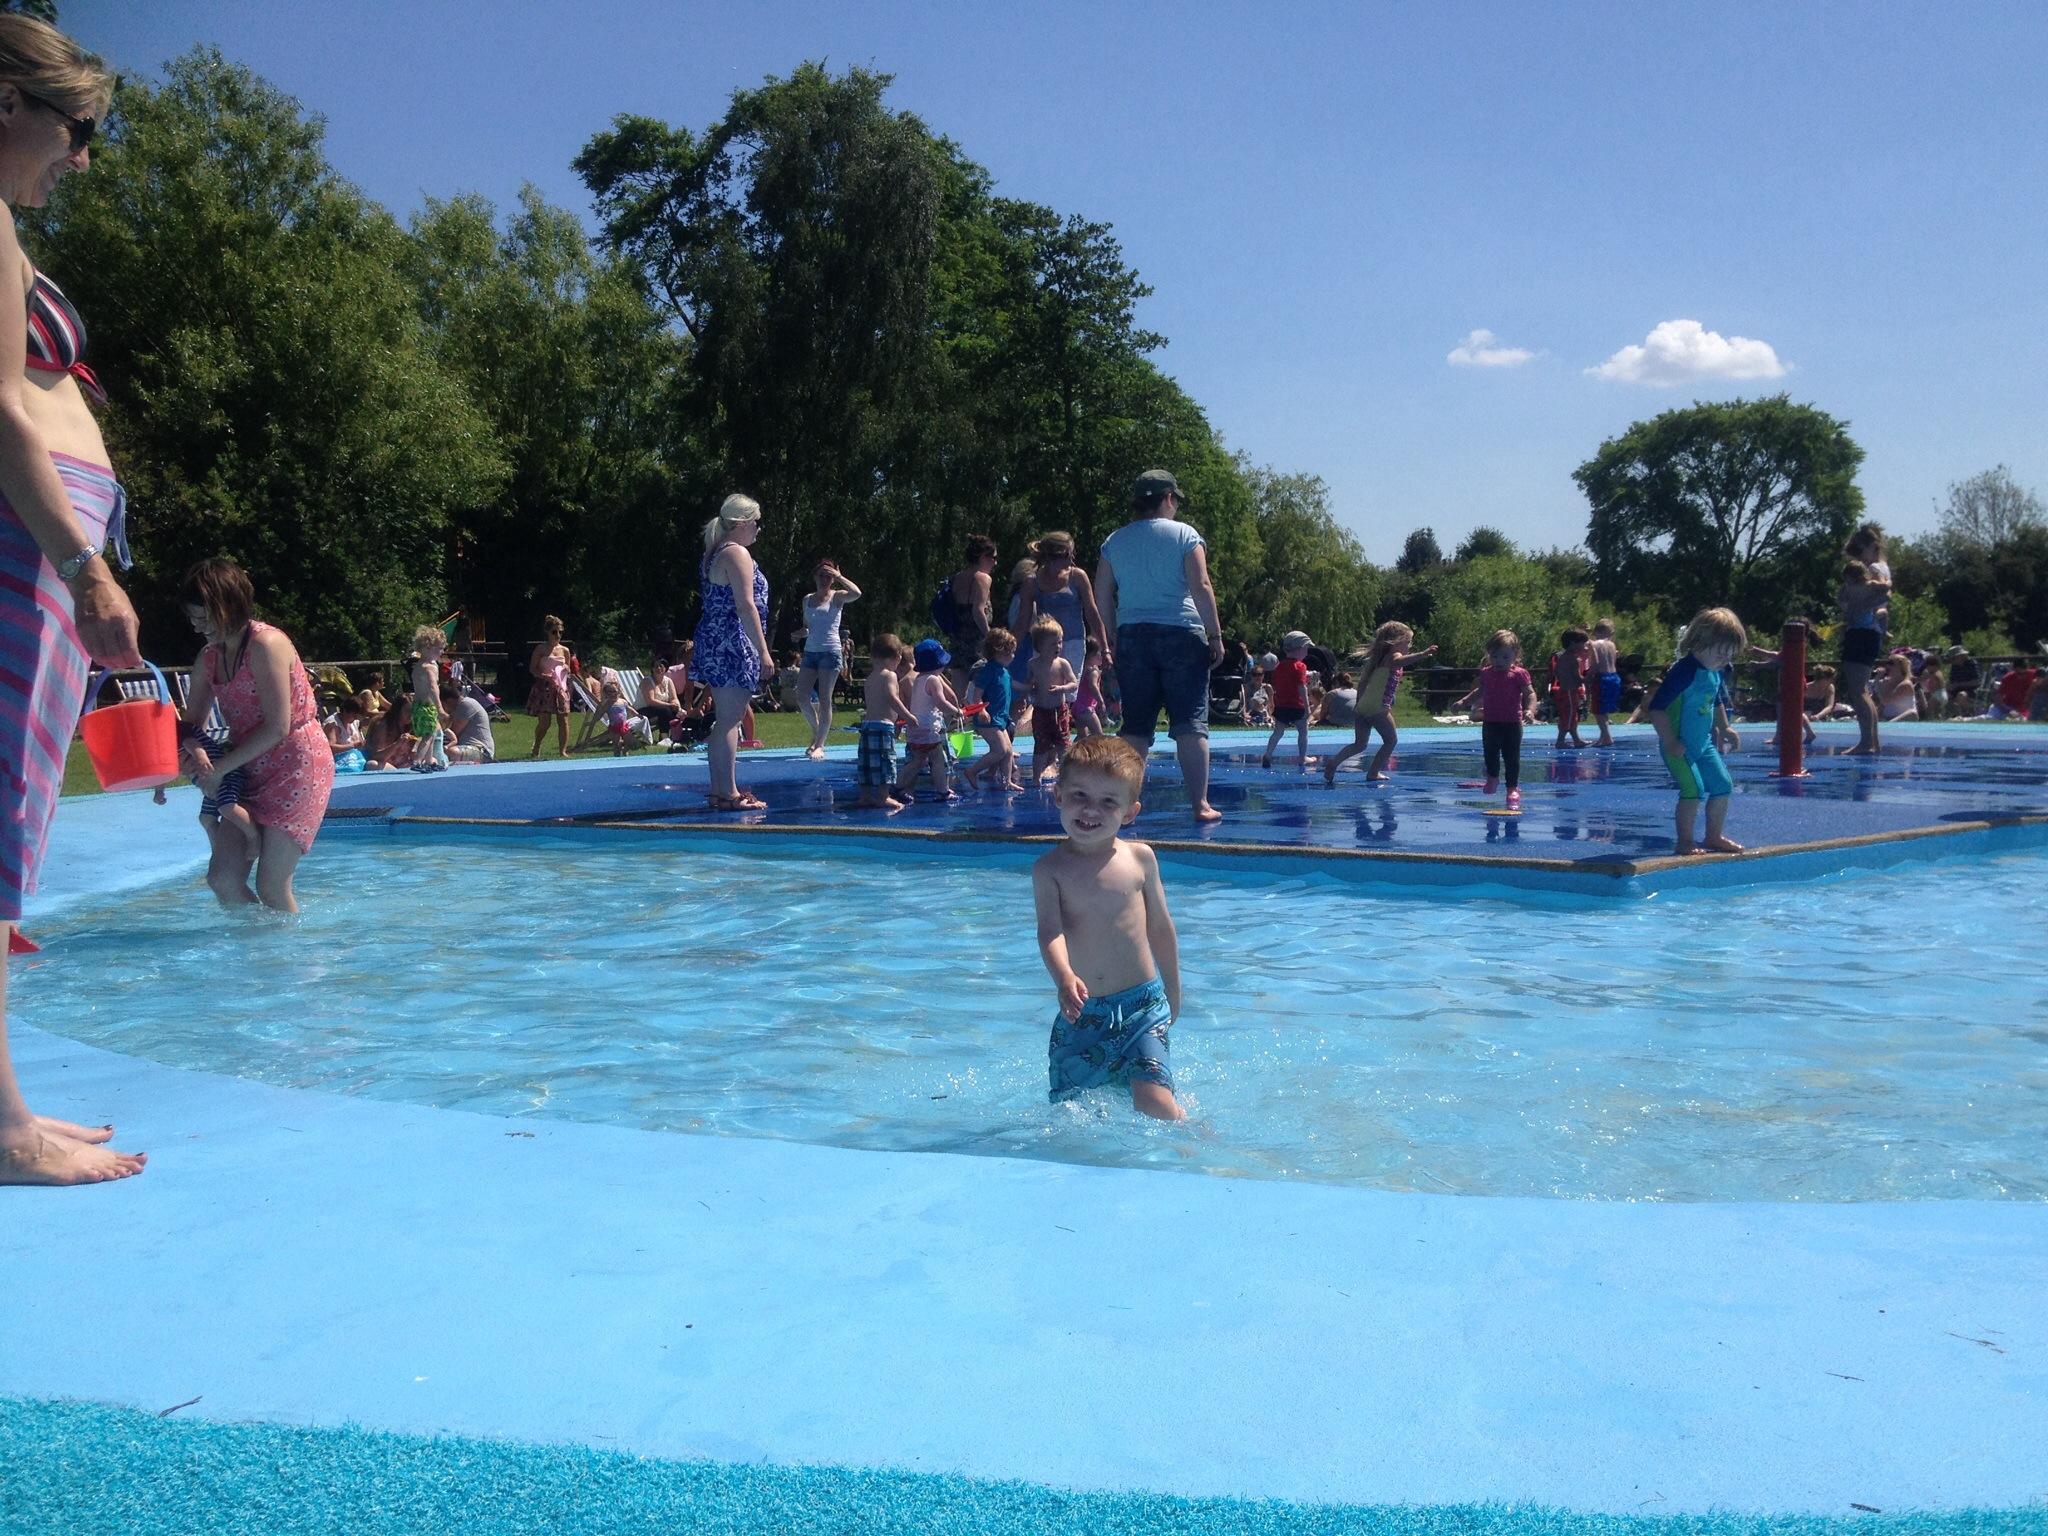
x,y
1845,200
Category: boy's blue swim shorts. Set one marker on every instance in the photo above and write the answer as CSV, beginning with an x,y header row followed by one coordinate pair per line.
x,y
1118,1039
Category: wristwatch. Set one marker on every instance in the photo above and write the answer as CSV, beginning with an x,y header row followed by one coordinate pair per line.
x,y
68,570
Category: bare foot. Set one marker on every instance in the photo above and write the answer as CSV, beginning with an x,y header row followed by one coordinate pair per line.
x,y
91,1135
41,1158
1330,774
1722,845
1687,850
1206,812
815,754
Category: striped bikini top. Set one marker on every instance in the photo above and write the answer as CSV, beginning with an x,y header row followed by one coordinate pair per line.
x,y
56,336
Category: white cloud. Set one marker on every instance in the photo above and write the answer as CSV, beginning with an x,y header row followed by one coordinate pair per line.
x,y
1481,349
1686,352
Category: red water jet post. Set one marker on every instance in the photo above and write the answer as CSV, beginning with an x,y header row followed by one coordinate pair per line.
x,y
1792,701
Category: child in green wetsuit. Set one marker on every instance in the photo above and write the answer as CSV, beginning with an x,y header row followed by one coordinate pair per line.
x,y
1690,712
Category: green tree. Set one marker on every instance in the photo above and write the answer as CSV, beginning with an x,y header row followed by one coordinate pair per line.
x,y
794,242
1483,541
273,395
1475,597
1419,552
2001,587
1744,503
1308,573
1988,509
889,355
574,369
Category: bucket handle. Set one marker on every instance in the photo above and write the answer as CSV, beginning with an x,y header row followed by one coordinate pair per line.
x,y
99,681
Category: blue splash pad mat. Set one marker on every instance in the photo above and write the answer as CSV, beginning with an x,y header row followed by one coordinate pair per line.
x,y
1593,812
81,1467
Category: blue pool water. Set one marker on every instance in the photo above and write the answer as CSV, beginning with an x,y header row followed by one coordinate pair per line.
x,y
1873,1037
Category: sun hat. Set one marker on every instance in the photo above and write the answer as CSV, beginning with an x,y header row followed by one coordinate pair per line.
x,y
930,656
1268,661
1294,640
1956,650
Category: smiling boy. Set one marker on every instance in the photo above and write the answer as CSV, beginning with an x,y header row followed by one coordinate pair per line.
x,y
1106,936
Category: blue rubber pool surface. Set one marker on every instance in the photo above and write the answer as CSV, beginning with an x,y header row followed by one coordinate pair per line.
x,y
1593,808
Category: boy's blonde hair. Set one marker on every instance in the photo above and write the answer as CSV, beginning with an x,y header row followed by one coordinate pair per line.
x,y
998,641
429,635
1604,629
1714,626
1111,756
885,647
1046,624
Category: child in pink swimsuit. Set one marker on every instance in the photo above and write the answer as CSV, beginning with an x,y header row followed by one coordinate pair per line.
x,y
1088,700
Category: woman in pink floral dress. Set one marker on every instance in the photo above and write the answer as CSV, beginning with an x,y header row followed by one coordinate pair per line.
x,y
276,741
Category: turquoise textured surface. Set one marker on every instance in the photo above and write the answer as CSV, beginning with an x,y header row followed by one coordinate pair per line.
x,y
84,1468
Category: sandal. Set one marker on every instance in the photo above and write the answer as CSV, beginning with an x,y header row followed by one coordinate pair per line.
x,y
739,802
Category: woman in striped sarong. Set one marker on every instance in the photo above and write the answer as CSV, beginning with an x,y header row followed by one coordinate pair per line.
x,y
60,607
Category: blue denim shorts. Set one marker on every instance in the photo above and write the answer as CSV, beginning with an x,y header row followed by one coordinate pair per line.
x,y
1118,1039
1162,664
825,661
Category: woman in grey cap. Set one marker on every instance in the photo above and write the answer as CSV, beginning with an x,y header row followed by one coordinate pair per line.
x,y
1152,587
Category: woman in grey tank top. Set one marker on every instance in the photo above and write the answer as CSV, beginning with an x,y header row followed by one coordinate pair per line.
x,y
1060,590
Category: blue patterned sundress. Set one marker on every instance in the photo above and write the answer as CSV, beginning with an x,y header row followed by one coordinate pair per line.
x,y
724,657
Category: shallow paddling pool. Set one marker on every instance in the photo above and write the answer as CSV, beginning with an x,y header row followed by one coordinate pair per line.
x,y
1699,1047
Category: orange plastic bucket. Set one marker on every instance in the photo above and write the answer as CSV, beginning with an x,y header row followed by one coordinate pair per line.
x,y
133,744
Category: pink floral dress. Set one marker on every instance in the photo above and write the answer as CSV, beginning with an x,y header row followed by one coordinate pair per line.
x,y
287,787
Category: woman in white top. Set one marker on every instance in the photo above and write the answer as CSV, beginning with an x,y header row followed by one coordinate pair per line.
x,y
824,655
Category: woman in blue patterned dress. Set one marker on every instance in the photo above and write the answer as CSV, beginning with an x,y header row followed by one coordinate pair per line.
x,y
731,641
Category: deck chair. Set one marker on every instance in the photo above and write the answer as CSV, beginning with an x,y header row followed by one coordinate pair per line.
x,y
181,685
593,720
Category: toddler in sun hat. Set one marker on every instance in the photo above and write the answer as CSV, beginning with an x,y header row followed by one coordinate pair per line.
x,y
1289,682
932,704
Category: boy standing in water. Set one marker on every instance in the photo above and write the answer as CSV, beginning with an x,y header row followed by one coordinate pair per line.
x,y
1106,936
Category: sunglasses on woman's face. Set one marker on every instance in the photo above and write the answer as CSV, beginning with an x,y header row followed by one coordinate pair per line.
x,y
82,128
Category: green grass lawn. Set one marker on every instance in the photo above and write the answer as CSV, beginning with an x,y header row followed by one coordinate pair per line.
x,y
780,729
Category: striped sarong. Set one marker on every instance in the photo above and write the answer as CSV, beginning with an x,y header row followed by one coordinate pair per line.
x,y
43,672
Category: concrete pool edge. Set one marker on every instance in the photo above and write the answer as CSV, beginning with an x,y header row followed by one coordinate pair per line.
x,y
757,1301
283,1253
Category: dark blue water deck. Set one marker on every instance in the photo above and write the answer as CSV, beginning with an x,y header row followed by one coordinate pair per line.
x,y
1592,818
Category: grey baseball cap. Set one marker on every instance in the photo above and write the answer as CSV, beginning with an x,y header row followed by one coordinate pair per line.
x,y
1155,483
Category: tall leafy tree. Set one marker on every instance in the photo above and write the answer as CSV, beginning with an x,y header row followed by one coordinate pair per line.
x,y
1308,572
793,241
1483,541
273,394
1987,509
1744,502
886,352
1419,552
574,368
